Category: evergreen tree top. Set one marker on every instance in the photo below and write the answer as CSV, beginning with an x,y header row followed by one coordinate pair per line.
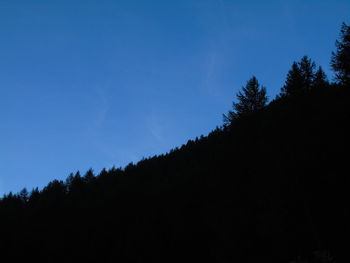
x,y
340,61
251,98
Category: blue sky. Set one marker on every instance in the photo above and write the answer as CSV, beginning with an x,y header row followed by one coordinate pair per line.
x,y
92,84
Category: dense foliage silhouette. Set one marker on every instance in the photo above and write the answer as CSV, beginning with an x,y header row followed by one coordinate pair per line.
x,y
271,186
302,78
341,58
251,99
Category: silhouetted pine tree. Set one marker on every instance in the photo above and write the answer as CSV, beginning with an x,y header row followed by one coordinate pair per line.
x,y
23,194
294,81
74,182
300,77
89,176
34,195
341,57
307,68
251,99
320,79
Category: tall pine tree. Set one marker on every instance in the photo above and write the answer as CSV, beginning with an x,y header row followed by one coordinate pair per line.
x,y
294,81
252,98
341,57
307,68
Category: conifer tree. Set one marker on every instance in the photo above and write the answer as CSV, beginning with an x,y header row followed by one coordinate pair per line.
x,y
23,195
252,98
34,195
320,80
300,77
307,68
294,81
89,176
341,57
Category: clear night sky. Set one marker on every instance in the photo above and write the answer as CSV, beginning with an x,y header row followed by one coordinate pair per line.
x,y
101,83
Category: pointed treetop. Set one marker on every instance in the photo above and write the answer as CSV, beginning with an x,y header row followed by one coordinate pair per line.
x,y
320,79
302,78
252,98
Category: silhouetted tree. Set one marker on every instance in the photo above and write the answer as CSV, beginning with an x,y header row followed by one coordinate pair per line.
x,y
34,195
23,194
251,99
294,81
89,176
300,77
307,68
74,182
55,188
341,57
320,79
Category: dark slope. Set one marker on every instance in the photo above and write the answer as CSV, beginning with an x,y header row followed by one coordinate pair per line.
x,y
272,188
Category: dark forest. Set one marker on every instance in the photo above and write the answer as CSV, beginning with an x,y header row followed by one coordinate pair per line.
x,y
270,184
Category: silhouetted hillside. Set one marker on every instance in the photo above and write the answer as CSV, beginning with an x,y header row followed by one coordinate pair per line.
x,y
272,186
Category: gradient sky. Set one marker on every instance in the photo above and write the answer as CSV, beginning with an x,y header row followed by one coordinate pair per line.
x,y
92,84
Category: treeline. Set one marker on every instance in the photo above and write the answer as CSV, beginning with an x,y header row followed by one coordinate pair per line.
x,y
267,185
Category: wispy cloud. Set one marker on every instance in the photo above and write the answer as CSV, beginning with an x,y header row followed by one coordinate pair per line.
x,y
98,121
210,69
102,108
156,128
